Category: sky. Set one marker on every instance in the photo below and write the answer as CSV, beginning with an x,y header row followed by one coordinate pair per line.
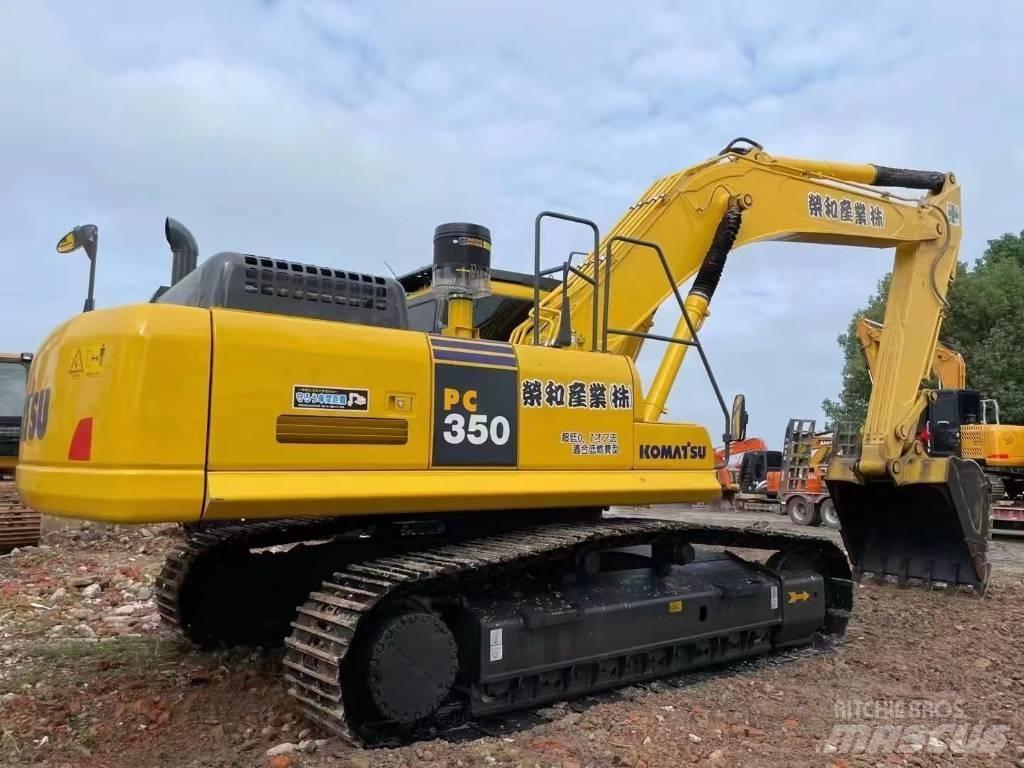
x,y
342,133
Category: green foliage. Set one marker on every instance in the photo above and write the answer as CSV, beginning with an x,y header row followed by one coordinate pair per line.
x,y
985,324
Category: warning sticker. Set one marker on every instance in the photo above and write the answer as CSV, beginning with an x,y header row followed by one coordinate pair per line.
x,y
496,646
87,361
775,598
330,398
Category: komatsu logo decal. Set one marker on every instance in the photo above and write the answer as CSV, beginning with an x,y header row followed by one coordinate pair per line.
x,y
673,451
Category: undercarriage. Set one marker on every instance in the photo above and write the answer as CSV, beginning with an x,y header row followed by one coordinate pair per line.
x,y
400,630
20,526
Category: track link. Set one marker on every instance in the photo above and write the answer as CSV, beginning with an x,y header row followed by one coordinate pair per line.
x,y
20,526
209,544
330,619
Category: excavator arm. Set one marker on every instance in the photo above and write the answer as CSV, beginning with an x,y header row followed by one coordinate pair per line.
x,y
744,195
740,446
948,366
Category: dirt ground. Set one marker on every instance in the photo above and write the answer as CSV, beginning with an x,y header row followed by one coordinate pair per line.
x,y
88,677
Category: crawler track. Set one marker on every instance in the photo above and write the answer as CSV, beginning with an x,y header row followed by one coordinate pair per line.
x,y
19,525
241,583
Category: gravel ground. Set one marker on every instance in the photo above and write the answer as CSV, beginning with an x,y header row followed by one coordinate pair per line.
x,y
89,678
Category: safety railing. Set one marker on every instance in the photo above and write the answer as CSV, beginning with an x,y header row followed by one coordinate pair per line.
x,y
563,337
693,341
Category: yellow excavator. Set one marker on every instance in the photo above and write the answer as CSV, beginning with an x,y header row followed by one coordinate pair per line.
x,y
960,422
19,525
421,512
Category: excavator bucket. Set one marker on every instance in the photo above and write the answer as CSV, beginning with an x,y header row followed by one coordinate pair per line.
x,y
925,532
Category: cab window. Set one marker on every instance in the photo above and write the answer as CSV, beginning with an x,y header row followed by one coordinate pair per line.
x,y
13,378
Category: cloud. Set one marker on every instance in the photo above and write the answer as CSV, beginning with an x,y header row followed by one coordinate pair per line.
x,y
342,133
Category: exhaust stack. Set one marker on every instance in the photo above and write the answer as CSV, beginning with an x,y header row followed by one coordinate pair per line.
x,y
184,251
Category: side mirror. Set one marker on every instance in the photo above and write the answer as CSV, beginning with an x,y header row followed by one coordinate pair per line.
x,y
738,420
85,237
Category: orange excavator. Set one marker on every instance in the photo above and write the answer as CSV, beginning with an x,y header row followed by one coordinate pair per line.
x,y
749,474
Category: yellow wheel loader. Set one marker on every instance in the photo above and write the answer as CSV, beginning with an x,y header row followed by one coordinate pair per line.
x,y
421,513
19,525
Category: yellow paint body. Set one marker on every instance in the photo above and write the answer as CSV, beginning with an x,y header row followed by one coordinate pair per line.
x,y
994,445
185,411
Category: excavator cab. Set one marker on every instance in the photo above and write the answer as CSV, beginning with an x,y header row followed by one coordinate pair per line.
x,y
755,468
13,377
951,409
19,525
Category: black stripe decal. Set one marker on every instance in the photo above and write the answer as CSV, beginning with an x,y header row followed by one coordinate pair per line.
x,y
507,361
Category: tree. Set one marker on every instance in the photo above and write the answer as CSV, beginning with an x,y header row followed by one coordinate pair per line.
x,y
985,324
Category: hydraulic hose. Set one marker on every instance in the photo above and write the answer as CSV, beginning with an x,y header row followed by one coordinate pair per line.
x,y
711,268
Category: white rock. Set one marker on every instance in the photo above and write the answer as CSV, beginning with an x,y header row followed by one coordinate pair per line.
x,y
936,745
59,594
128,609
695,738
85,630
92,590
145,533
120,620
281,749
7,698
145,594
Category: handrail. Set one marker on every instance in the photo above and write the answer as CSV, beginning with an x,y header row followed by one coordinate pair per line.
x,y
566,267
694,340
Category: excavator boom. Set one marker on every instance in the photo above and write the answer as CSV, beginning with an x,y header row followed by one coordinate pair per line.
x,y
935,519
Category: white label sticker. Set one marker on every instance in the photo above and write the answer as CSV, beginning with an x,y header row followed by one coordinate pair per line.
x,y
496,651
775,598
495,638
